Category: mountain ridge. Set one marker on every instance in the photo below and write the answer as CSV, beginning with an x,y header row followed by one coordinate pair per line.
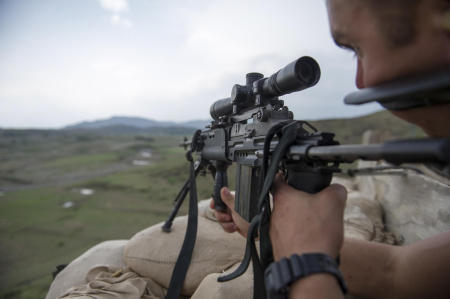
x,y
137,122
347,130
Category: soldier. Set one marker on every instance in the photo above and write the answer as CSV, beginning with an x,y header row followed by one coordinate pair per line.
x,y
391,39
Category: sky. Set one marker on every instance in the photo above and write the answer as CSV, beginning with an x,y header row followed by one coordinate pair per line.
x,y
65,61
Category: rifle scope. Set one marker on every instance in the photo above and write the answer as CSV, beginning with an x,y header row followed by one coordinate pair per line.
x,y
297,75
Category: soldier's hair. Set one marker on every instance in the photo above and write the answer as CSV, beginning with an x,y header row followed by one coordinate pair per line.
x,y
396,19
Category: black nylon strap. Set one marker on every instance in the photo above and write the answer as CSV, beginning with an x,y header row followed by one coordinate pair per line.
x,y
265,245
251,234
288,137
285,141
263,218
259,288
184,258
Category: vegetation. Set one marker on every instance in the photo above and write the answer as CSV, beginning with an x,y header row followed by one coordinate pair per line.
x,y
350,130
41,171
38,233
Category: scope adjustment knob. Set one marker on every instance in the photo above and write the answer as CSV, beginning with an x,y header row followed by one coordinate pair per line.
x,y
239,94
250,78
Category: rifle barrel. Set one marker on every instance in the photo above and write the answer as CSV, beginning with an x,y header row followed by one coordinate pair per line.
x,y
400,151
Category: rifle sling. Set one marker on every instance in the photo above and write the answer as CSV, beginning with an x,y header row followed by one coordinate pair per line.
x,y
184,258
250,247
289,135
263,219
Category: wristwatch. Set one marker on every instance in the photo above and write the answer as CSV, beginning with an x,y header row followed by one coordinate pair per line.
x,y
280,275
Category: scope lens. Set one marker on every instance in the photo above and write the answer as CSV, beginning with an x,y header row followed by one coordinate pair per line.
x,y
298,75
305,72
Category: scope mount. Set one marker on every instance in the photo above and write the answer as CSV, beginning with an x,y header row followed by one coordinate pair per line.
x,y
245,97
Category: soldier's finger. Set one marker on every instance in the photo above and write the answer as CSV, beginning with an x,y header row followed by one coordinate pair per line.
x,y
227,197
223,217
229,227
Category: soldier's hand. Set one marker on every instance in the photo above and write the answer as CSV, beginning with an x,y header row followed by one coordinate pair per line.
x,y
303,222
230,220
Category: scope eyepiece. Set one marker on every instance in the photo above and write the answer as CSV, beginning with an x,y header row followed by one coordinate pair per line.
x,y
220,108
298,75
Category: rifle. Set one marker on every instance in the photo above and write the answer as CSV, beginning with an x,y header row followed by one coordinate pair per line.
x,y
256,131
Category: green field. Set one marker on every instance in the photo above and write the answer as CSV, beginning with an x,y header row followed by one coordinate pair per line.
x,y
41,171
38,233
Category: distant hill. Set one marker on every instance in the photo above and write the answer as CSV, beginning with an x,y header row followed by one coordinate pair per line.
x,y
135,122
347,130
130,130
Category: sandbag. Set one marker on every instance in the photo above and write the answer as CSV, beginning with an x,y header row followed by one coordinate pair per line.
x,y
153,253
363,220
105,253
106,282
240,287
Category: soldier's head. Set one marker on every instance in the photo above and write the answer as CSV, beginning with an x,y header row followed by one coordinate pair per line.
x,y
392,39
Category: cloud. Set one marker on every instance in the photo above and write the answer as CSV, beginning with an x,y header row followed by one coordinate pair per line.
x,y
117,7
180,59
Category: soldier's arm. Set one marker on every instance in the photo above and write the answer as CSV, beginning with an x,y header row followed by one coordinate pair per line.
x,y
376,270
419,270
315,235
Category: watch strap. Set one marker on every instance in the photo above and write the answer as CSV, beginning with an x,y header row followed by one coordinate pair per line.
x,y
280,275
